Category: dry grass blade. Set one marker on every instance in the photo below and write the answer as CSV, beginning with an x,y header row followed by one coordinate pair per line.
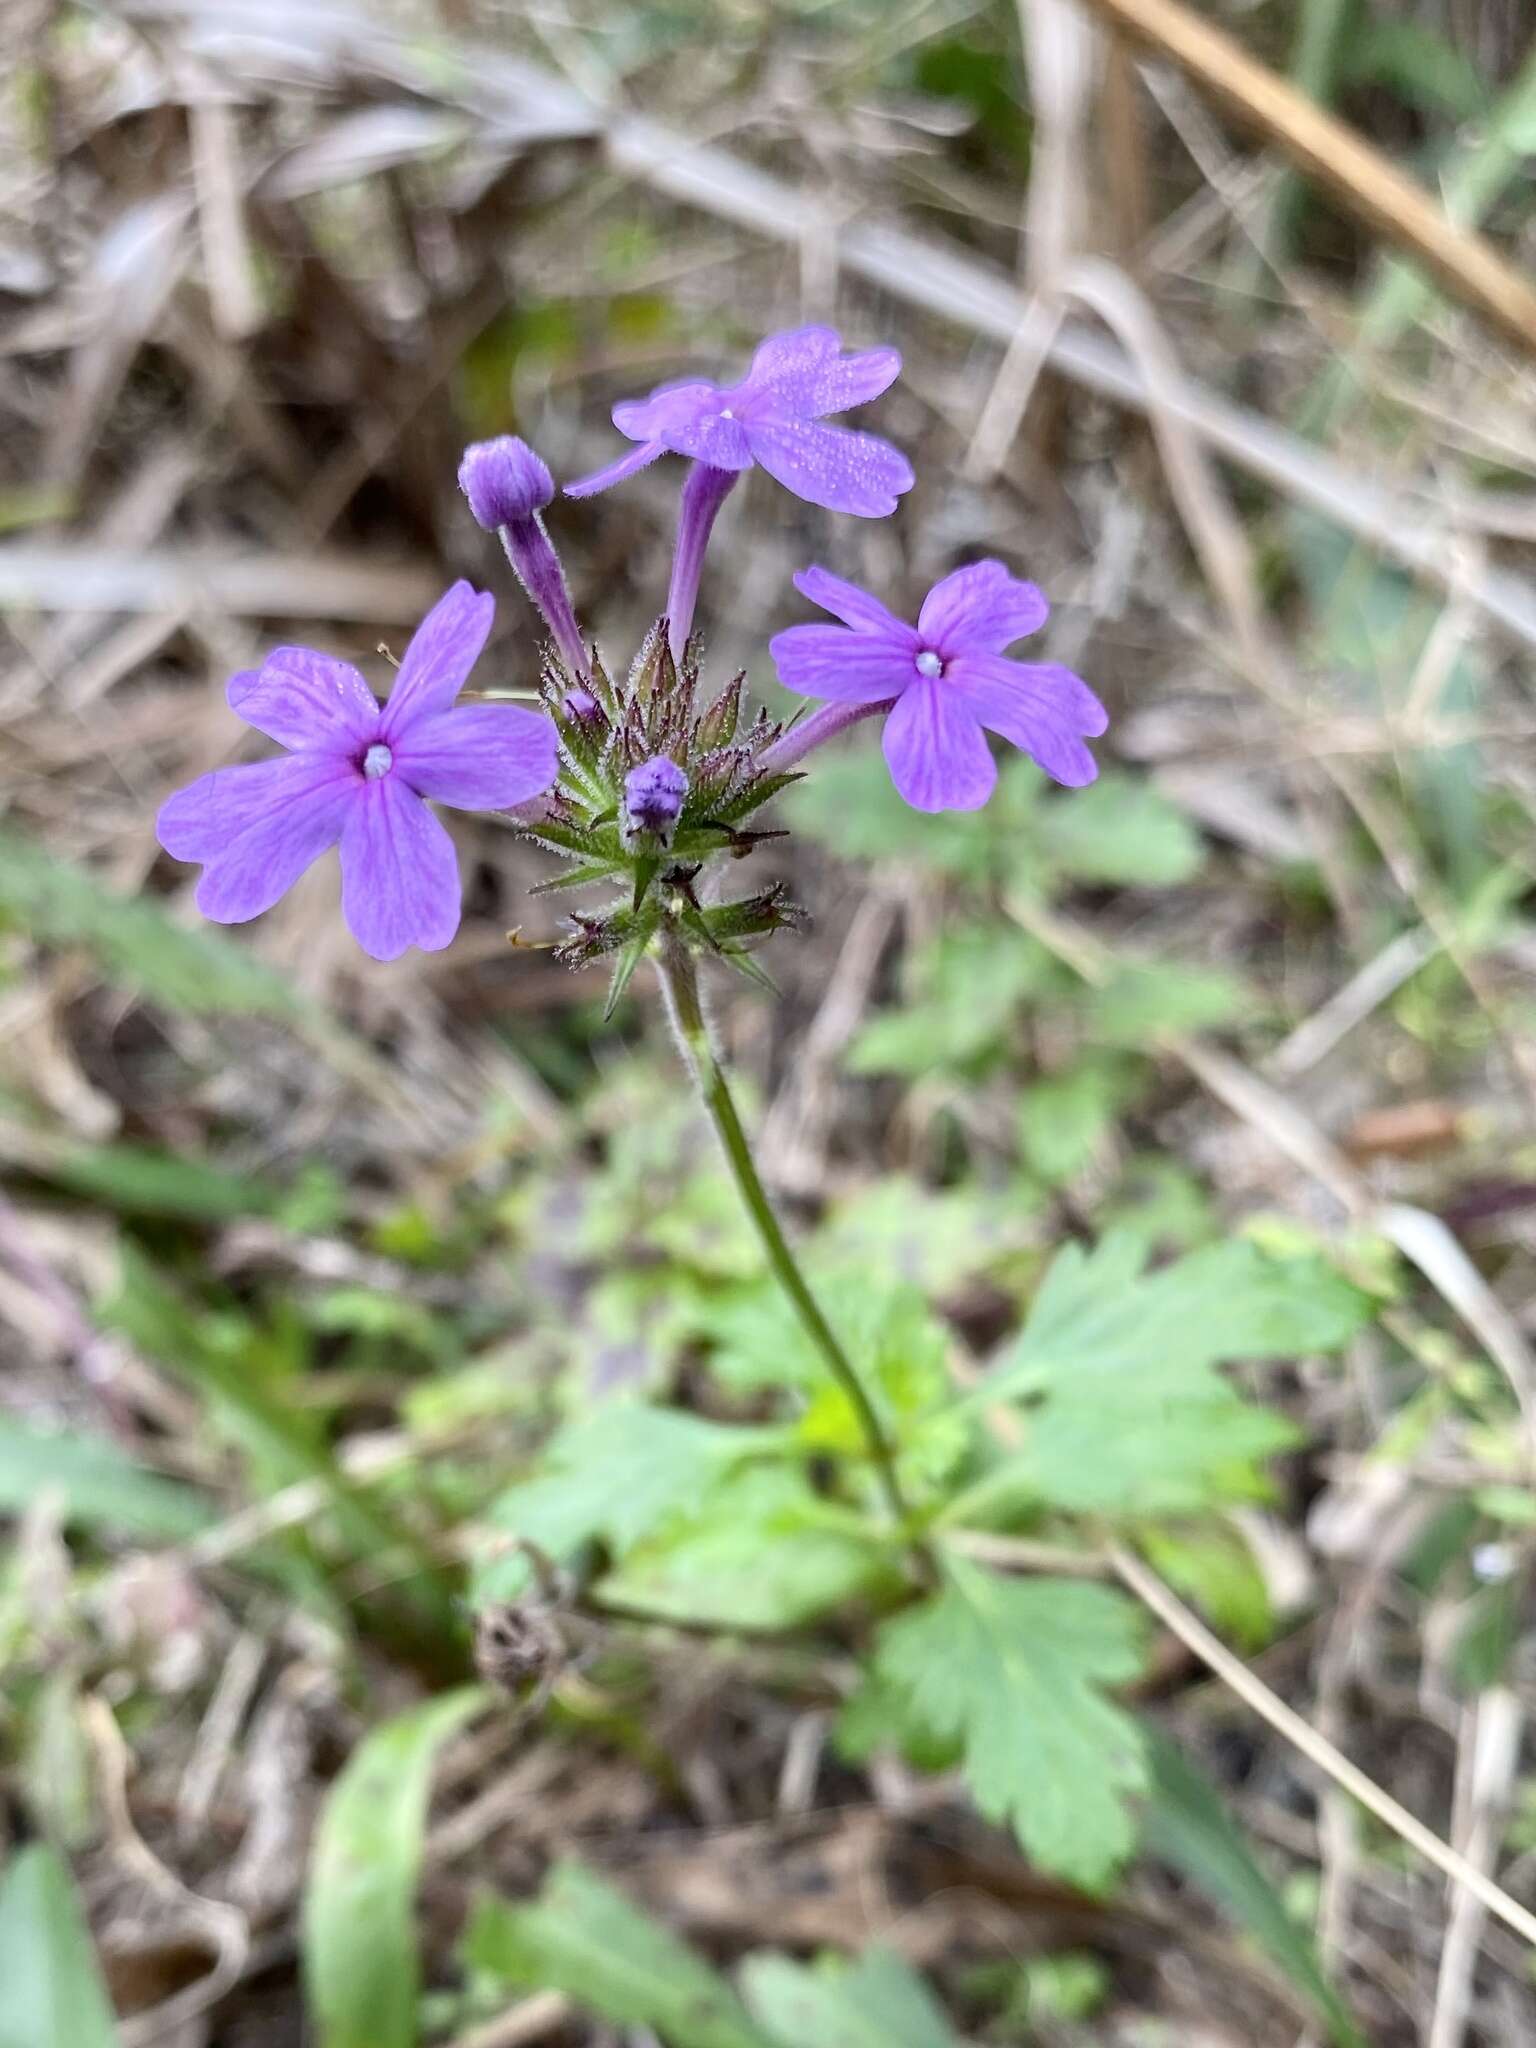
x,y
83,578
533,2019
939,280
1254,1693
1363,181
1487,1763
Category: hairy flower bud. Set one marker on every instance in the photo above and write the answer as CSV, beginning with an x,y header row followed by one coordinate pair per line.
x,y
507,486
504,481
653,798
580,706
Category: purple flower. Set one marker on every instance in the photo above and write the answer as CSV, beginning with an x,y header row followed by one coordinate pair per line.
x,y
355,775
943,680
776,417
653,797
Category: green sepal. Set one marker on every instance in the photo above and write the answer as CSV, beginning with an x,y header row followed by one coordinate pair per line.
x,y
631,954
754,796
579,877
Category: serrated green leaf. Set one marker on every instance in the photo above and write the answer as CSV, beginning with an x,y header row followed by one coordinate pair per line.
x,y
876,2001
851,807
901,1346
1147,1000
618,1475
361,1970
1017,1670
1098,1314
132,939
762,1552
583,1938
53,1995
973,987
1127,1413
1121,830
1187,1825
1062,1120
99,1484
936,1238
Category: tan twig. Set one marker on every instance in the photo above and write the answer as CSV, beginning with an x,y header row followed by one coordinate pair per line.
x,y
1253,1692
529,2020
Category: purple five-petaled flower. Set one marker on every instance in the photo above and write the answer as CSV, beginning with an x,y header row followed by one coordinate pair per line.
x,y
776,417
355,775
946,682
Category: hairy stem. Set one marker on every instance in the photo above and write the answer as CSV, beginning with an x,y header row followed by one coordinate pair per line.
x,y
680,981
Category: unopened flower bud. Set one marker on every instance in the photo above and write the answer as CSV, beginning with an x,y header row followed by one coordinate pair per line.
x,y
653,798
507,486
504,481
580,707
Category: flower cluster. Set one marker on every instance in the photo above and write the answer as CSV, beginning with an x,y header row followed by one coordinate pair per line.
x,y
634,784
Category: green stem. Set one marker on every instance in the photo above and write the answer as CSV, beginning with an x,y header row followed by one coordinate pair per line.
x,y
679,979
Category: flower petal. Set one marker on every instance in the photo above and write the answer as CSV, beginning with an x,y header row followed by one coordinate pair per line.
x,y
670,408
443,650
482,757
803,374
690,419
306,701
839,666
615,473
938,755
1038,705
399,873
853,606
980,608
832,466
257,828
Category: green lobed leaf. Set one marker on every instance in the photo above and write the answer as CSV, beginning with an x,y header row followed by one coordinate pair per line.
x,y
973,985
583,1938
1187,1825
361,1970
1147,1000
762,1552
884,1322
1016,1669
876,2001
1121,830
1128,1414
1064,1118
618,1475
52,1995
100,1484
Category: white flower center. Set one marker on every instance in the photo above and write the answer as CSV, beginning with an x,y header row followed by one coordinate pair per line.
x,y
929,664
378,761
726,413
